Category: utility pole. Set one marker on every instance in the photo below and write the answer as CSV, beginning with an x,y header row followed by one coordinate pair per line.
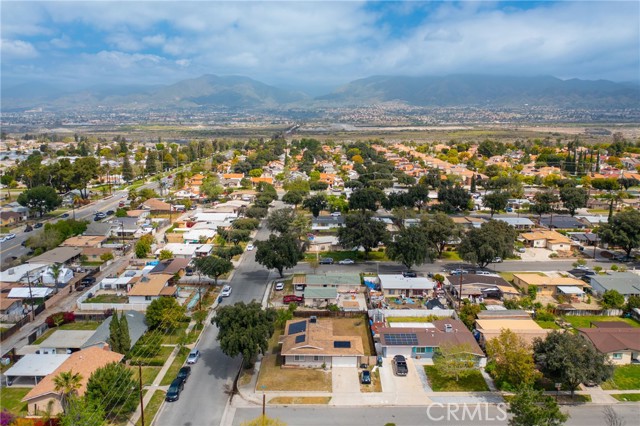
x,y
140,389
460,292
33,315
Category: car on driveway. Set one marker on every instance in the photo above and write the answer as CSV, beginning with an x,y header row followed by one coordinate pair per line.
x,y
365,377
173,394
326,261
193,357
279,286
184,374
88,280
292,298
9,236
226,291
250,247
346,262
400,367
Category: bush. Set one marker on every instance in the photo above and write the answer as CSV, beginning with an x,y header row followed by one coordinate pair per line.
x,y
544,315
60,318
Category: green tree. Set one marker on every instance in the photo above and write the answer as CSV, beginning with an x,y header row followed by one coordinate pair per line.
x,y
469,313
570,359
455,361
410,247
127,170
622,230
150,167
366,199
244,329
315,204
278,252
612,299
42,199
512,360
573,198
531,407
361,230
280,220
610,185
493,239
67,383
164,313
82,413
114,333
496,201
84,170
125,338
293,197
440,229
165,255
110,387
454,198
544,203
213,266
633,302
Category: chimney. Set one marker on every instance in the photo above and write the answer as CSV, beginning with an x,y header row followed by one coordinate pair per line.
x,y
448,328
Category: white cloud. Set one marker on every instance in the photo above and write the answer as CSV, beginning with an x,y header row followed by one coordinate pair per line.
x,y
17,49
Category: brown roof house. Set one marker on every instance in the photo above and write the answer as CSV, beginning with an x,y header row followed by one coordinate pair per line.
x,y
550,240
620,341
551,286
423,342
150,287
528,329
311,343
44,397
156,206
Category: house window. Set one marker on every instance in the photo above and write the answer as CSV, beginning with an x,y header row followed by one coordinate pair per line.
x,y
318,358
147,298
617,356
298,358
392,292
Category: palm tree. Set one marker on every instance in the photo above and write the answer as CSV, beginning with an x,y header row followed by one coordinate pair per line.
x,y
67,383
56,270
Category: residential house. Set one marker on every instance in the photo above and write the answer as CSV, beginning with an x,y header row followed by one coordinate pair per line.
x,y
625,283
320,296
135,323
33,367
171,267
231,180
156,206
256,180
551,286
64,276
620,341
550,240
416,341
519,223
561,222
479,287
312,343
92,241
344,283
11,310
45,398
16,207
23,274
400,286
139,214
468,222
94,254
528,329
322,243
150,287
65,341
323,223
180,251
9,219
58,255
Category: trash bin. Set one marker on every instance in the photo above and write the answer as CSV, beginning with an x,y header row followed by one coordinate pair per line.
x,y
379,361
219,299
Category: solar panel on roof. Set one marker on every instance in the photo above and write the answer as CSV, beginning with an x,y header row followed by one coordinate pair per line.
x,y
300,338
297,327
403,339
341,344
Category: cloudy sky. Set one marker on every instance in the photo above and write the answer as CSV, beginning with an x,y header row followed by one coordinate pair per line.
x,y
309,44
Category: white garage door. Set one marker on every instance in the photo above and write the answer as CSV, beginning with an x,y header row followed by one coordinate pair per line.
x,y
344,361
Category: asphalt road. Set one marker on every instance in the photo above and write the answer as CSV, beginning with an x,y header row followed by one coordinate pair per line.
x,y
203,400
486,415
13,248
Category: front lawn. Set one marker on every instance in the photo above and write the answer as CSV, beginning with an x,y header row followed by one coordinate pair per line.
x,y
548,325
152,407
10,398
625,377
107,298
627,397
148,374
312,400
340,255
585,322
176,365
376,383
354,327
80,325
274,378
472,383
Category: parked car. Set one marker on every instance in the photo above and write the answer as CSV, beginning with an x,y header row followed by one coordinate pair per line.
x,y
28,228
110,212
300,287
292,298
346,262
326,261
188,271
400,367
497,260
365,377
522,250
279,286
173,394
336,214
250,247
9,236
459,272
582,267
88,280
121,204
38,225
193,357
226,291
409,274
184,374
64,215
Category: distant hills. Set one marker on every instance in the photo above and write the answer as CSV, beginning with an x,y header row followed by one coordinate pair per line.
x,y
246,93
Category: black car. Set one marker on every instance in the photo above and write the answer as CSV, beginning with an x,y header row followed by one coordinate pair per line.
x,y
184,374
64,215
326,261
400,367
110,212
409,274
365,377
88,280
38,225
173,394
28,228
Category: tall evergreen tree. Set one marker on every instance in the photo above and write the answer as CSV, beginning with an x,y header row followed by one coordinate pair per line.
x,y
598,162
114,333
127,170
125,339
473,183
151,167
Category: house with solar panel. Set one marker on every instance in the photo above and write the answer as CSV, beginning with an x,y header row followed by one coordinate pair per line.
x,y
311,343
422,340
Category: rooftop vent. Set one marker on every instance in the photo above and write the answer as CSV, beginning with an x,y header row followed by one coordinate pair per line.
x,y
313,319
448,328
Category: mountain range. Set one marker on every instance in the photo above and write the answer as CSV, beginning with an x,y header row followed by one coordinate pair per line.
x,y
239,92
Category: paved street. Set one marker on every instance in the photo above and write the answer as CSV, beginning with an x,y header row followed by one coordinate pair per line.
x,y
204,398
486,415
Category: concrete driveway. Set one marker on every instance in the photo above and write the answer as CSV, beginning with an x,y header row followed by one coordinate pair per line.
x,y
535,254
345,380
409,389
